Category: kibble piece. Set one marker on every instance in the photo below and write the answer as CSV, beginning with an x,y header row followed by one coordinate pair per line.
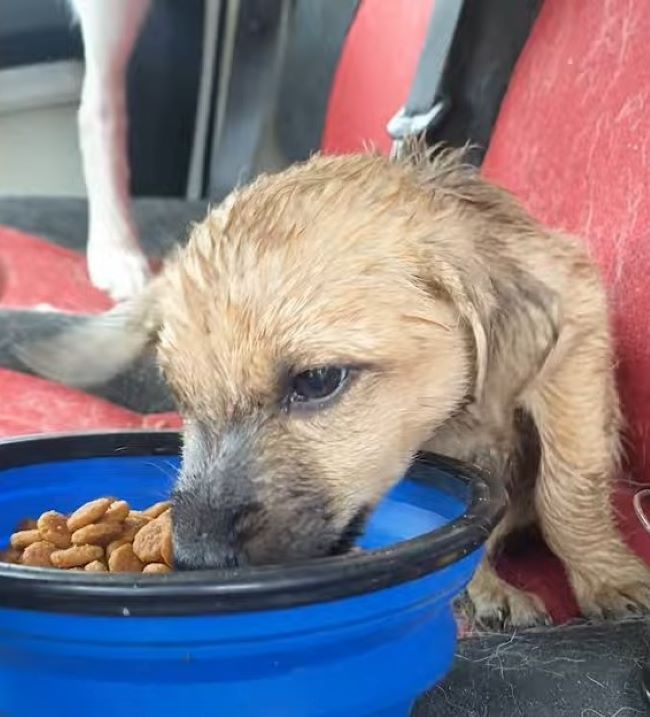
x,y
88,513
24,538
118,511
76,556
124,560
97,534
97,566
103,535
148,543
130,528
167,550
38,554
11,556
27,524
157,509
139,516
54,528
123,540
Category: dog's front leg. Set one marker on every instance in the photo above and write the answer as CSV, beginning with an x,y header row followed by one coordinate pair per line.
x,y
494,603
575,408
116,263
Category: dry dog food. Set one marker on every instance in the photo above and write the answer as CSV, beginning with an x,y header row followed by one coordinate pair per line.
x,y
103,536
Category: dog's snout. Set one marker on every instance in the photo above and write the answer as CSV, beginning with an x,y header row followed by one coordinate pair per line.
x,y
211,536
216,507
234,507
198,559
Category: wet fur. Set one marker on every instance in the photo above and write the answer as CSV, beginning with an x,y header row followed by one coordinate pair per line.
x,y
474,332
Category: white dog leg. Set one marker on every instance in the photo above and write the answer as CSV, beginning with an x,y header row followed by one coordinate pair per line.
x,y
116,263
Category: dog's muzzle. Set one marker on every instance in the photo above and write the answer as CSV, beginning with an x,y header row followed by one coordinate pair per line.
x,y
232,508
230,535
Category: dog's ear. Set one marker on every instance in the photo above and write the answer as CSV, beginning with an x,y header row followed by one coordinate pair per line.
x,y
514,327
96,348
512,317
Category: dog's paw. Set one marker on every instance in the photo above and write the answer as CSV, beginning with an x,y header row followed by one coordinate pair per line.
x,y
621,600
117,267
500,606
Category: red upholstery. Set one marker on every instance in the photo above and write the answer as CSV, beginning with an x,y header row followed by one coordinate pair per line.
x,y
32,405
34,272
375,72
573,142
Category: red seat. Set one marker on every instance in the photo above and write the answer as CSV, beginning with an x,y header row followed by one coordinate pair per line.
x,y
573,142
32,405
34,272
375,72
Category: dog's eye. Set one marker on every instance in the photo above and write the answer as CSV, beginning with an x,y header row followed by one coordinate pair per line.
x,y
317,384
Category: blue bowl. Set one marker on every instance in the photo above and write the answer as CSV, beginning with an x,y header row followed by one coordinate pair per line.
x,y
350,636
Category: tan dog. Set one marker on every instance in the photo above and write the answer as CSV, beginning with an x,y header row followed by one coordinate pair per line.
x,y
327,322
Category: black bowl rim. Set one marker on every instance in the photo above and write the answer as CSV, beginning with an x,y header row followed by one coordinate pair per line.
x,y
243,589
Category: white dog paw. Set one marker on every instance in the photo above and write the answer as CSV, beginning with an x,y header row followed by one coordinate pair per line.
x,y
117,267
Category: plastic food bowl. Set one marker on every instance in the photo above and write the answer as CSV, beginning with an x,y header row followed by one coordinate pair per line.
x,y
350,636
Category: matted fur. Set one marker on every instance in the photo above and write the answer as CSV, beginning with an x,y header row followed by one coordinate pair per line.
x,y
473,331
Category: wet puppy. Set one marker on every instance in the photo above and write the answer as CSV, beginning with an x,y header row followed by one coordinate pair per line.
x,y
326,323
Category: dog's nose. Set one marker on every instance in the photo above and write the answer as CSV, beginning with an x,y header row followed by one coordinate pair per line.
x,y
209,536
197,549
196,558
